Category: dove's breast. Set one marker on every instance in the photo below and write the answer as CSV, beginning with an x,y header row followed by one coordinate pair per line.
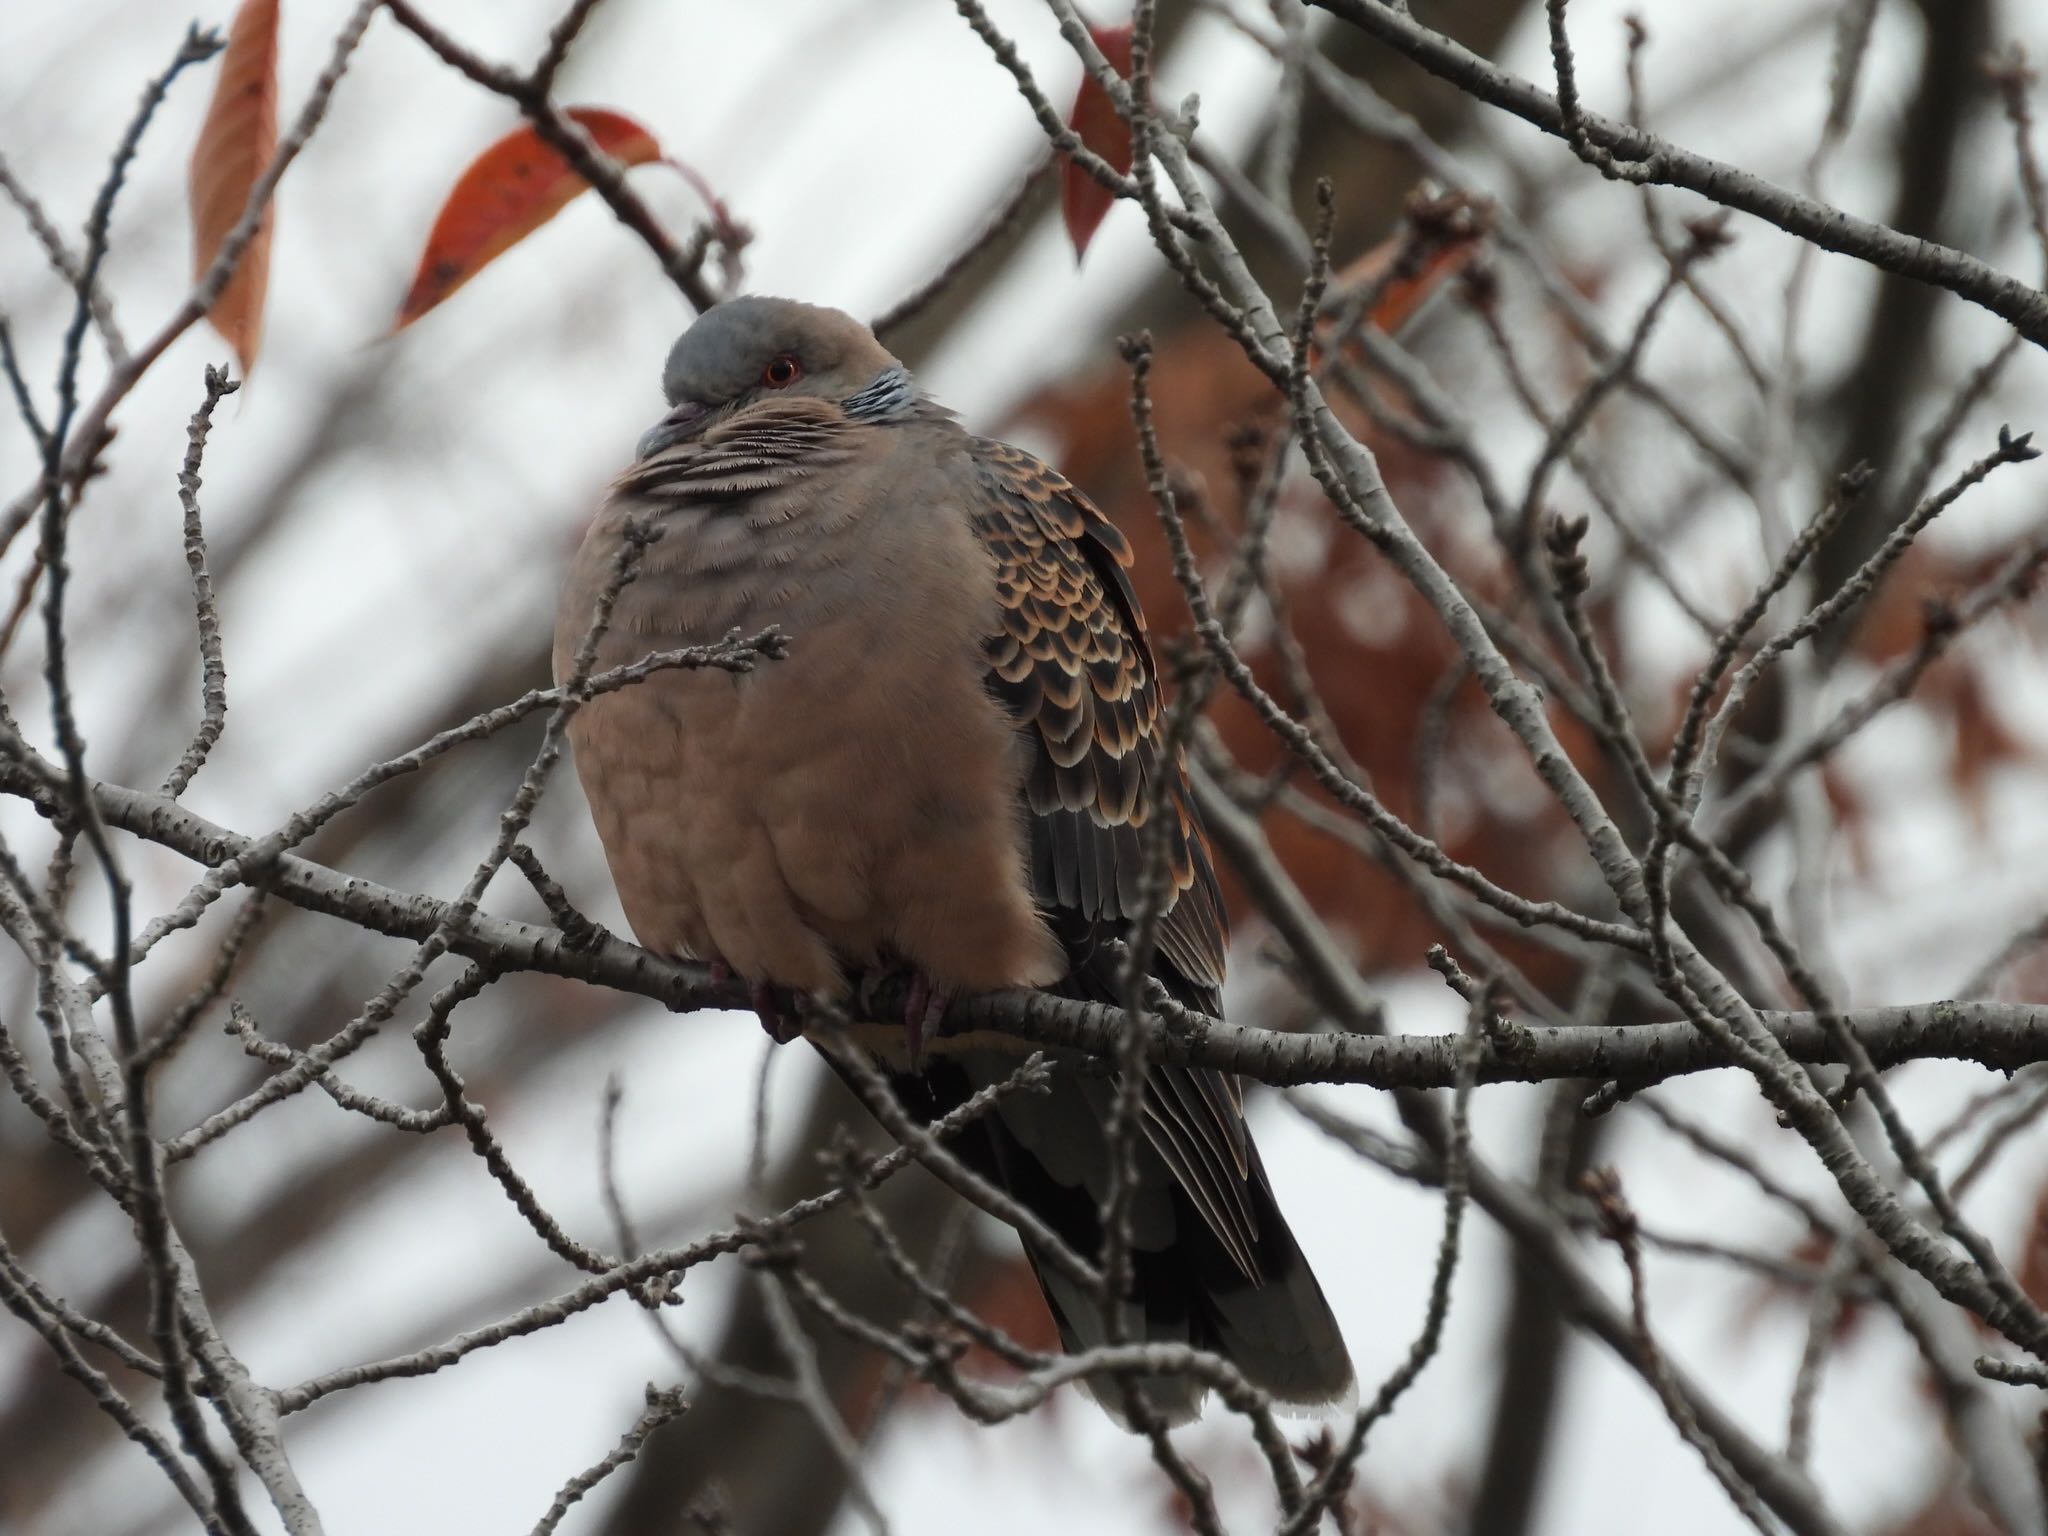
x,y
857,802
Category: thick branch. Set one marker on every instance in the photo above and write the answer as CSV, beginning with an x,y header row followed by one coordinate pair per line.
x,y
2001,1035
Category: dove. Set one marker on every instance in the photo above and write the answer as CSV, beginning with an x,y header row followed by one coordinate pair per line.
x,y
948,776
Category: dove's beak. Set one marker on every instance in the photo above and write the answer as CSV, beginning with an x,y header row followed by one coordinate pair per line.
x,y
678,424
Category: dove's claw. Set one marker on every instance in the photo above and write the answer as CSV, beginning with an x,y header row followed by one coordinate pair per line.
x,y
781,1028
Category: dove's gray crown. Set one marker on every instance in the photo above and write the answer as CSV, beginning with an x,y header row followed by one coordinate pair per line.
x,y
722,355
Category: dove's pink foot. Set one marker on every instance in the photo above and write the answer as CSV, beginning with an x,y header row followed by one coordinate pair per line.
x,y
922,1011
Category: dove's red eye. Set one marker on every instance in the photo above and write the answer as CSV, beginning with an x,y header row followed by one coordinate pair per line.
x,y
781,372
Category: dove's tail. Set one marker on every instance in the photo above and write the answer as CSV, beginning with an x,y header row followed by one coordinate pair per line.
x,y
1237,1287
1277,1328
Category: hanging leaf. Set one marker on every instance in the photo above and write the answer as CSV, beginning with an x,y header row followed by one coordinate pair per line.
x,y
508,192
236,143
1083,199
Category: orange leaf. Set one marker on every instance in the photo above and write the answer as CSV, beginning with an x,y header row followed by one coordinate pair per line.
x,y
1083,199
236,143
1440,239
1947,1512
2033,1264
508,192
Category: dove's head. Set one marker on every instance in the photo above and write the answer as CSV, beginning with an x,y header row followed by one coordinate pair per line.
x,y
746,351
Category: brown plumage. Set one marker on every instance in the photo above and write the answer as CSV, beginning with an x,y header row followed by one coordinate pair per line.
x,y
949,773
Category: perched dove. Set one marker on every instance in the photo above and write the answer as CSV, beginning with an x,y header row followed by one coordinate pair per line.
x,y
946,776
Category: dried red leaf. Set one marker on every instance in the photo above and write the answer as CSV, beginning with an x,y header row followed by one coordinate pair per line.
x,y
2026,979
1947,1512
1083,199
236,144
1892,621
2033,1265
1441,239
508,192
1983,741
1852,817
1769,1293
